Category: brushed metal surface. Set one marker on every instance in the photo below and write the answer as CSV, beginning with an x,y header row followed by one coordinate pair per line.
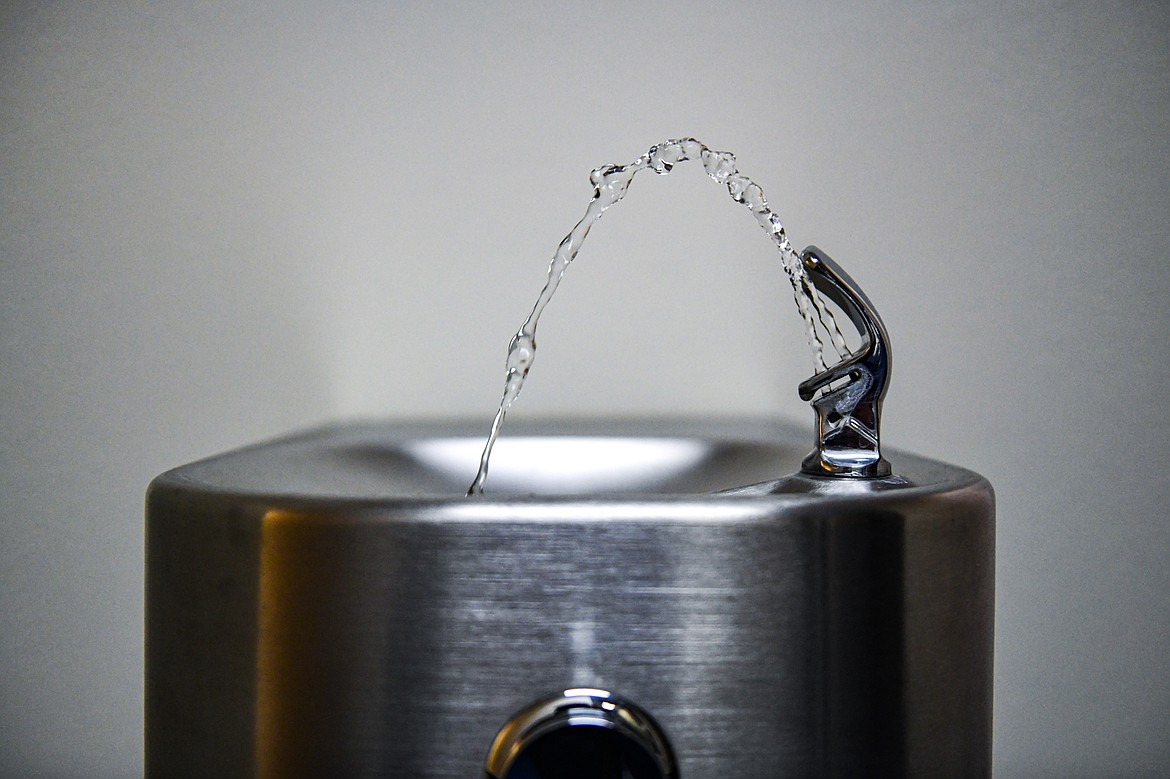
x,y
330,604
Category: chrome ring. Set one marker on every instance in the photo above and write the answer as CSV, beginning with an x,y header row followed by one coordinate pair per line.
x,y
580,706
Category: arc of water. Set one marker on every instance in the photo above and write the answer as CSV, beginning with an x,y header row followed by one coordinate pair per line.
x,y
610,184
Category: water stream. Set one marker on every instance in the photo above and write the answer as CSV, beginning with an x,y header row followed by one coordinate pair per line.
x,y
610,184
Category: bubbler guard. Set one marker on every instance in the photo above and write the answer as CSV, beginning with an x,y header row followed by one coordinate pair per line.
x,y
849,413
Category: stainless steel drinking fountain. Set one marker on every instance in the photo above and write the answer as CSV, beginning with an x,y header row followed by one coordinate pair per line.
x,y
631,598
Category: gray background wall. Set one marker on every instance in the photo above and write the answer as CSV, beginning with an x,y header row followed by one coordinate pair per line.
x,y
224,222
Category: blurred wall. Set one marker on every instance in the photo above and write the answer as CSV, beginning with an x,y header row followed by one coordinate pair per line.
x,y
220,222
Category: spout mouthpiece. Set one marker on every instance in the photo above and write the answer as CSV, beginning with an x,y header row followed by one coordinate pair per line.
x,y
847,397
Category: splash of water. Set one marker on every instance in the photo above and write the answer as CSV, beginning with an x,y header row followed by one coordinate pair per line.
x,y
610,183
